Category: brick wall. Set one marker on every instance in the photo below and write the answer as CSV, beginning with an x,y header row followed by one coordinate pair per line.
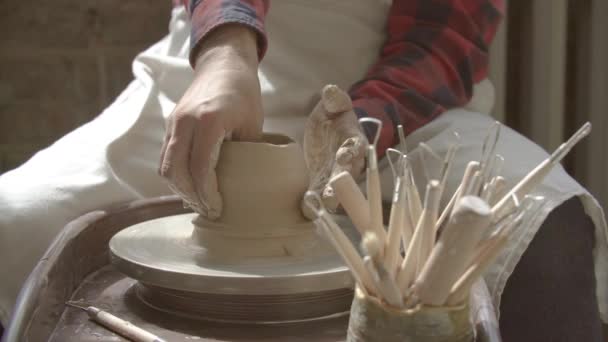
x,y
63,61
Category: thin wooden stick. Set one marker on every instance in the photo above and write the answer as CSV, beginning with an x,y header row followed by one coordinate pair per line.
x,y
374,195
422,242
352,200
386,283
474,185
427,222
538,174
454,249
413,197
469,171
348,252
447,210
396,224
341,243
489,250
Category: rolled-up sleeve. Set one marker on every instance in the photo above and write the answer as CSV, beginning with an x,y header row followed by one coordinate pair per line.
x,y
434,52
207,15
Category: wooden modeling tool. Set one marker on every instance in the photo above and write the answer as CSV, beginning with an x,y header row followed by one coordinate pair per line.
x,y
453,251
341,243
352,200
447,210
475,185
387,287
389,157
402,144
427,222
536,176
422,242
392,253
489,250
116,325
465,183
488,150
447,165
374,195
413,197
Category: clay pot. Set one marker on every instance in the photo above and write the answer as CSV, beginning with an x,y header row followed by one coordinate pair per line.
x,y
262,185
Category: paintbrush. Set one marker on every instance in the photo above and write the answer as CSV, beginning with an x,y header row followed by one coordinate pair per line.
x,y
536,176
453,251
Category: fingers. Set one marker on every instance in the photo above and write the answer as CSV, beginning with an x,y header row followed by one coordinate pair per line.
x,y
175,159
206,146
350,157
335,100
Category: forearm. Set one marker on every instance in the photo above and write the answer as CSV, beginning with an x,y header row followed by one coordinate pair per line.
x,y
232,45
433,55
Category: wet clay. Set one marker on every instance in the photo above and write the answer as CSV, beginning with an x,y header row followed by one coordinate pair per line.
x,y
261,245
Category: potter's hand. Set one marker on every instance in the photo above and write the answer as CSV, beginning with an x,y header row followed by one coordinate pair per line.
x,y
223,101
333,142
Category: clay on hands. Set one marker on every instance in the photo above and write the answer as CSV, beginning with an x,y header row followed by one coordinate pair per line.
x,y
223,100
333,143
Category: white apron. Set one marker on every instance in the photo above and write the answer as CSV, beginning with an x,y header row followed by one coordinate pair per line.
x,y
114,158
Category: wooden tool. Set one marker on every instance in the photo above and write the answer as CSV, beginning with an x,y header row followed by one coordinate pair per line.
x,y
447,210
117,325
352,200
489,250
453,251
446,167
392,255
487,151
536,176
422,242
374,195
465,183
413,197
474,185
387,286
402,144
341,243
426,224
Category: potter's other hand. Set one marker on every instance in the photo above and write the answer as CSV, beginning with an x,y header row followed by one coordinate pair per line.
x,y
333,142
223,101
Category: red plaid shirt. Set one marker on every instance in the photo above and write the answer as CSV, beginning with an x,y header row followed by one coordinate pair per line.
x,y
434,52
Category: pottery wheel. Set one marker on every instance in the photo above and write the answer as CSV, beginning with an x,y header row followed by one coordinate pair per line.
x,y
177,273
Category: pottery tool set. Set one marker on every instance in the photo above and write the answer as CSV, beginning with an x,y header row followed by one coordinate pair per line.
x,y
430,256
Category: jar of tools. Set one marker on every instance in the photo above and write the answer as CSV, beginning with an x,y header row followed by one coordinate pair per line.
x,y
372,320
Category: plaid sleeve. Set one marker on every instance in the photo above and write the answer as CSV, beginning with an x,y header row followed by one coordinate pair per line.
x,y
434,53
207,15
